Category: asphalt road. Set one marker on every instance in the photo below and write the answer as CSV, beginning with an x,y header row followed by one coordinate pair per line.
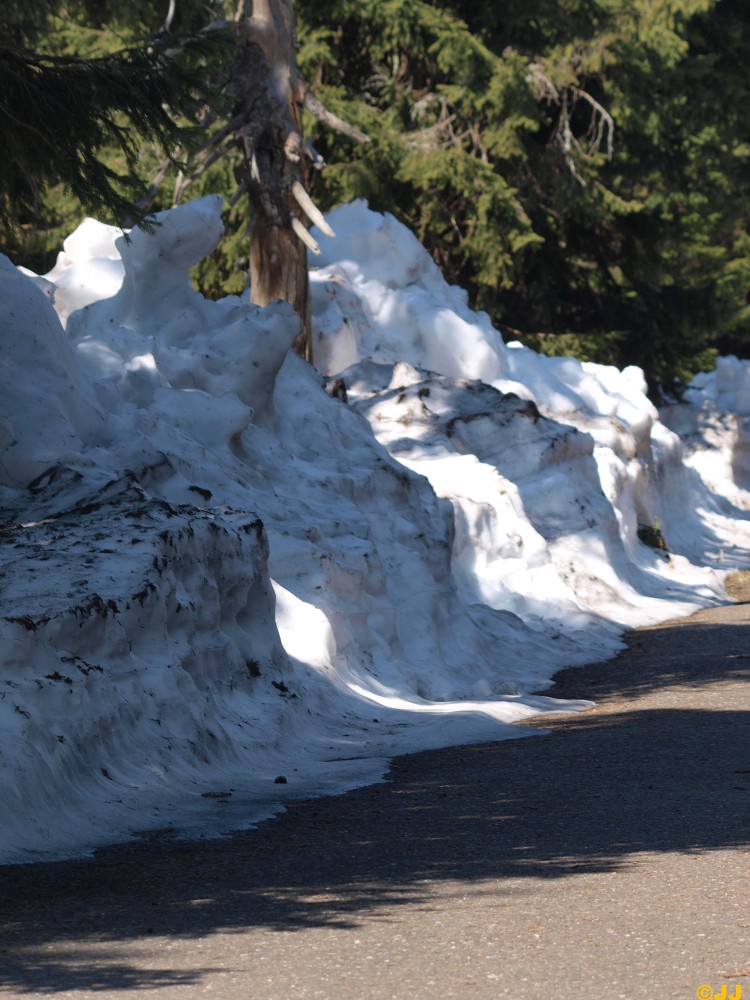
x,y
608,859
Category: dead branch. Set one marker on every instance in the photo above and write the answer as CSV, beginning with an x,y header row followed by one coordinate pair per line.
x,y
316,108
310,209
170,16
601,128
299,228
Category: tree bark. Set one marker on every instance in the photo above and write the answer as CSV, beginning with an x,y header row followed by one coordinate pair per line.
x,y
269,99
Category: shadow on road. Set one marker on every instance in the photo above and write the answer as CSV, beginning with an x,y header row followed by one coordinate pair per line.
x,y
694,652
601,789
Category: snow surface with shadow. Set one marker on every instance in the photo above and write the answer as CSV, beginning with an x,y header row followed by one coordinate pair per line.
x,y
223,589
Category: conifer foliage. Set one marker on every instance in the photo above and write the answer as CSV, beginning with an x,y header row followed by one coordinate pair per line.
x,y
60,112
580,166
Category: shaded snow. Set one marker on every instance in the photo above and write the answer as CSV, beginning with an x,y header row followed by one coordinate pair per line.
x,y
215,575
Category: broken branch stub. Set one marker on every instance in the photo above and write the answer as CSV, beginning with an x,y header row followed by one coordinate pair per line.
x,y
310,209
299,227
316,108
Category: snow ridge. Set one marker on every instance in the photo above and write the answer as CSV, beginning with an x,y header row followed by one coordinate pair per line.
x,y
223,588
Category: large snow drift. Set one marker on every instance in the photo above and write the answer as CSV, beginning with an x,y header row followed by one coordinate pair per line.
x,y
215,574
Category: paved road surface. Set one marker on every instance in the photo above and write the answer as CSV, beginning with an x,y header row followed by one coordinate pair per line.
x,y
609,859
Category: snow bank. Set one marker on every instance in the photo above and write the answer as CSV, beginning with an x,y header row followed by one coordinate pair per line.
x,y
569,460
714,424
216,576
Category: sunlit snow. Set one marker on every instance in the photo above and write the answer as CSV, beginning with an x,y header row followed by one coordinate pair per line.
x,y
219,573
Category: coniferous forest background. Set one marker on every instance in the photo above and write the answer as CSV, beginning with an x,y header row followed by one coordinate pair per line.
x,y
579,166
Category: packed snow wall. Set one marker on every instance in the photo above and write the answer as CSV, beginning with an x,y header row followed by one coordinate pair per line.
x,y
216,575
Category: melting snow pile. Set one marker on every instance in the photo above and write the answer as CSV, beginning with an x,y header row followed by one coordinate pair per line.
x,y
215,574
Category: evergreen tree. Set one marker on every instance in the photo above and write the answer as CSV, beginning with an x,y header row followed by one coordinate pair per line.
x,y
61,112
58,131
562,159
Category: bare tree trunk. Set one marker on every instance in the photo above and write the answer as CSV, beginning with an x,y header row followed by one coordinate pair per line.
x,y
269,99
265,125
